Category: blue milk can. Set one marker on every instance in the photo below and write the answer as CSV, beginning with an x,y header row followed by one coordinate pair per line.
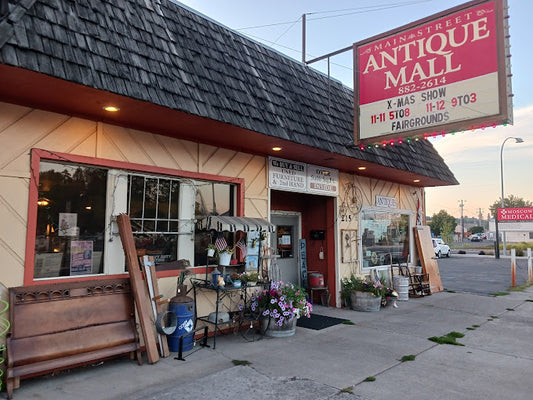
x,y
183,306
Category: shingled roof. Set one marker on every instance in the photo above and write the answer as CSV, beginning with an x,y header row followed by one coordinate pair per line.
x,y
166,54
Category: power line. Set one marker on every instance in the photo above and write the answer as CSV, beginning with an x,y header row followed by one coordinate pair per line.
x,y
287,30
377,8
347,11
292,49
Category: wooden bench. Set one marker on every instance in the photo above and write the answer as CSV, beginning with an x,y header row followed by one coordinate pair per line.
x,y
62,325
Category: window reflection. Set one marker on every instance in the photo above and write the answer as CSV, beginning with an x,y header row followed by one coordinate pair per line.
x,y
71,217
385,237
71,223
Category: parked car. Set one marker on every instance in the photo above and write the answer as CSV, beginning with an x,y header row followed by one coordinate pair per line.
x,y
441,249
476,237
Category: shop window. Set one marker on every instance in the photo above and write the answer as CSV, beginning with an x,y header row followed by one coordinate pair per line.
x,y
75,230
212,198
153,204
385,237
70,220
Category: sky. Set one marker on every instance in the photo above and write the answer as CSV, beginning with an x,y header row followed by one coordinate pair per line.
x,y
473,157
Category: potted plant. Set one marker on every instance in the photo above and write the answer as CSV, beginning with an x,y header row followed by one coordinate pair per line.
x,y
366,294
280,306
250,278
236,279
348,286
211,248
224,256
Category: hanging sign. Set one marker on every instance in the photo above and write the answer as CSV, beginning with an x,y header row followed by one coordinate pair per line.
x,y
448,72
301,177
322,180
388,202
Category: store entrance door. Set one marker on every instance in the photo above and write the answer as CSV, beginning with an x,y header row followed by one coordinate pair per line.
x,y
285,241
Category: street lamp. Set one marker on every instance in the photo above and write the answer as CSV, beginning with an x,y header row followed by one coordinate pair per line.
x,y
517,140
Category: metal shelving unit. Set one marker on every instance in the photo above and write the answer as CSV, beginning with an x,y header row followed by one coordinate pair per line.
x,y
236,316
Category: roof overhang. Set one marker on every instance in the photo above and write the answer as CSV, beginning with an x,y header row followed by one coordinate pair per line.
x,y
32,89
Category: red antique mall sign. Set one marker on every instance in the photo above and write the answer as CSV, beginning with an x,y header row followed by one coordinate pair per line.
x,y
444,73
515,214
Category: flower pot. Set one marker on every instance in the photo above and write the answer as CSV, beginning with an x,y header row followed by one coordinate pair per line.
x,y
224,259
210,252
270,329
237,284
365,301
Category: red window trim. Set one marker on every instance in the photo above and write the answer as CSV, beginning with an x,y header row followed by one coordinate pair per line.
x,y
39,154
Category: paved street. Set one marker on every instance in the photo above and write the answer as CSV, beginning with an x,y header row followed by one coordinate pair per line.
x,y
480,274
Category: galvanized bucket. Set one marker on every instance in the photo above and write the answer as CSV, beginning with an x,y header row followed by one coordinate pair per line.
x,y
401,285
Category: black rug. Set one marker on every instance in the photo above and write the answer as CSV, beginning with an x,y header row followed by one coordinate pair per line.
x,y
318,322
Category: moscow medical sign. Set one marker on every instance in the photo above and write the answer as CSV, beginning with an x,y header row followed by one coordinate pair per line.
x,y
448,72
515,214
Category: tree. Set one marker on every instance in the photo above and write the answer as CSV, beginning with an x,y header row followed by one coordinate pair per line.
x,y
477,229
442,224
510,202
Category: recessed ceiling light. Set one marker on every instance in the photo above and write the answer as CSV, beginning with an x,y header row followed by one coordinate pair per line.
x,y
276,148
416,180
361,168
111,108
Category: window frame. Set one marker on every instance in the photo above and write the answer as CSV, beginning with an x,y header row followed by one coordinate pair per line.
x,y
38,155
411,216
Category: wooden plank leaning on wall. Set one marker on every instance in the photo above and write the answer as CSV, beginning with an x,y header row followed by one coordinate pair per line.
x,y
139,291
427,257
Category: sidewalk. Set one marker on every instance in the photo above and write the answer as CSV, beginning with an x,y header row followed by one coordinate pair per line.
x,y
496,361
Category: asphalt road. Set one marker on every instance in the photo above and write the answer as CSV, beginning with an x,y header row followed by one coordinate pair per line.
x,y
480,274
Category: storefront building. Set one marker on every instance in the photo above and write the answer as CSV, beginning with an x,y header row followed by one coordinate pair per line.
x,y
199,111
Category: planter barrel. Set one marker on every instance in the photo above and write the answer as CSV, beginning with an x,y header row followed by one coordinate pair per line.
x,y
365,301
270,329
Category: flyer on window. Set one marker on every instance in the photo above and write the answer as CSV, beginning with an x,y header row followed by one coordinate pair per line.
x,y
81,257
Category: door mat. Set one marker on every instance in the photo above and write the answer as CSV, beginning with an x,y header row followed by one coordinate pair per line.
x,y
318,322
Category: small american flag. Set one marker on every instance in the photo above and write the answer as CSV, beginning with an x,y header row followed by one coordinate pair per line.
x,y
241,244
221,243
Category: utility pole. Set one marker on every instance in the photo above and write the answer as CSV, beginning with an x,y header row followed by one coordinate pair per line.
x,y
479,216
304,21
462,204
